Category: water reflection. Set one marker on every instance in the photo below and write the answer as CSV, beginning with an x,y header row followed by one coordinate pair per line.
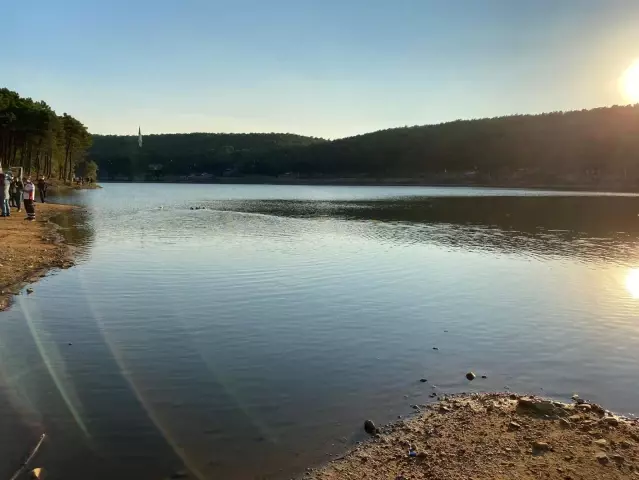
x,y
584,228
76,228
632,282
203,338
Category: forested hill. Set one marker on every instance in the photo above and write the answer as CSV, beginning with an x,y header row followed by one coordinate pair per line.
x,y
587,146
36,138
190,153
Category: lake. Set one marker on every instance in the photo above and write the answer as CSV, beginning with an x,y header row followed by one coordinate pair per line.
x,y
247,332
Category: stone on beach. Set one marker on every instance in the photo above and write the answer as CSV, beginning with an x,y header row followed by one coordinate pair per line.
x,y
541,446
461,437
612,421
536,405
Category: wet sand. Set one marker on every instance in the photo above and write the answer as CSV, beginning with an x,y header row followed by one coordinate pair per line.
x,y
496,436
28,250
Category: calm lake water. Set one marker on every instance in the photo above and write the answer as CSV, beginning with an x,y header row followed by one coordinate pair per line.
x,y
252,337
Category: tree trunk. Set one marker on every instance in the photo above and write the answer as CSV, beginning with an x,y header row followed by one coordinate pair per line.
x,y
70,173
37,162
66,159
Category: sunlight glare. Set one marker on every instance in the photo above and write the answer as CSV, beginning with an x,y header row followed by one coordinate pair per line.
x,y
630,83
632,282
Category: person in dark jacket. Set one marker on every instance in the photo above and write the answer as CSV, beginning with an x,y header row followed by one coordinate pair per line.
x,y
18,193
12,193
42,188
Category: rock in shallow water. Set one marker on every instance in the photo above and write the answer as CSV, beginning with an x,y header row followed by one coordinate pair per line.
x,y
470,376
370,427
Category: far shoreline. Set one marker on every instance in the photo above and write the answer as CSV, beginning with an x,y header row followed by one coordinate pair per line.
x,y
351,182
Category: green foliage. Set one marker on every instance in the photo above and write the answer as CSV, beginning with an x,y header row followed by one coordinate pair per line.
x,y
552,147
87,169
34,137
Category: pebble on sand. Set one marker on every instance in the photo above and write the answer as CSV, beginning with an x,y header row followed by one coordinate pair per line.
x,y
541,446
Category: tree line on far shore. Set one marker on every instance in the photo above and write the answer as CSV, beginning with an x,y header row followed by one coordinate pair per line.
x,y
34,137
191,153
548,148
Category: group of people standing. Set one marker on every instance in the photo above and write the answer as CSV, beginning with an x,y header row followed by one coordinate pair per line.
x,y
15,191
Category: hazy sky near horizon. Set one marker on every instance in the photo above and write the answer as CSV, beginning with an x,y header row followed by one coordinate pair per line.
x,y
328,68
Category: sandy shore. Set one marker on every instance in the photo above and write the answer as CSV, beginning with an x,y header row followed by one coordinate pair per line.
x,y
496,436
28,250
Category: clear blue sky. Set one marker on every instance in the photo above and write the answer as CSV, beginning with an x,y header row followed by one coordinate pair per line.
x,y
327,68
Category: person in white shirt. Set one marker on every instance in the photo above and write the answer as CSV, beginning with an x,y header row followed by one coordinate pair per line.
x,y
29,199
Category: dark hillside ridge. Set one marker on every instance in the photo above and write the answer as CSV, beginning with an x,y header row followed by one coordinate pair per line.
x,y
559,148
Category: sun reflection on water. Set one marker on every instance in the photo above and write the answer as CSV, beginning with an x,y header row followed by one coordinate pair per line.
x,y
632,282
